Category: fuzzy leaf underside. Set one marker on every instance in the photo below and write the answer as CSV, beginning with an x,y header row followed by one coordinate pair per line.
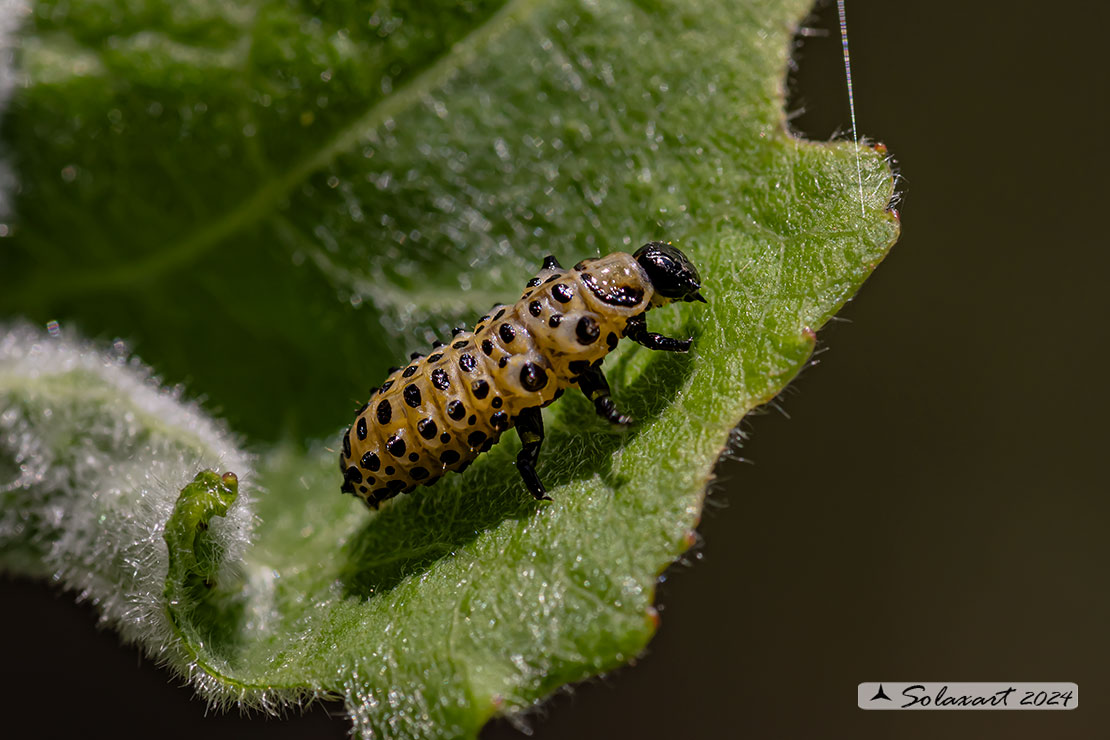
x,y
315,190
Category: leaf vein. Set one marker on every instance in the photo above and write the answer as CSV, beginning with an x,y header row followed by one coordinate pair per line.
x,y
270,194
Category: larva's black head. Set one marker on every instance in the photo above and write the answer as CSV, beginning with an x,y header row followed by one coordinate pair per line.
x,y
672,275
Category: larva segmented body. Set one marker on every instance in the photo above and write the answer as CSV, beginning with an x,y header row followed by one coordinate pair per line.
x,y
441,411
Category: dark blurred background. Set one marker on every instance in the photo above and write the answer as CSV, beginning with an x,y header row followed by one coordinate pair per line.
x,y
927,503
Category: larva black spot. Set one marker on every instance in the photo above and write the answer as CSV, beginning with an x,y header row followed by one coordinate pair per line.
x,y
347,487
445,438
380,492
474,440
487,347
413,457
467,363
499,421
460,345
419,473
532,377
577,367
386,386
396,485
621,295
562,293
472,420
363,489
385,412
409,371
396,446
551,279
436,357
456,410
499,314
555,320
535,308
427,428
371,462
440,380
347,443
390,470
479,388
481,328
496,402
503,362
532,283
587,330
449,457
507,333
365,405
360,427
611,341
626,295
353,475
412,395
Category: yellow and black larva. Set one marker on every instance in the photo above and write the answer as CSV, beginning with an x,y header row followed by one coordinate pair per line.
x,y
442,411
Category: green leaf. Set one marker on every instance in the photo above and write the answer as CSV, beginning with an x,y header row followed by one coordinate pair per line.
x,y
276,200
188,168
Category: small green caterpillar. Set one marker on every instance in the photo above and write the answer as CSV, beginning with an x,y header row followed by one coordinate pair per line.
x,y
443,410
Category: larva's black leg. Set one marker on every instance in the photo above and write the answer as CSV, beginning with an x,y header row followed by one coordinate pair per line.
x,y
529,425
596,387
636,330
550,263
